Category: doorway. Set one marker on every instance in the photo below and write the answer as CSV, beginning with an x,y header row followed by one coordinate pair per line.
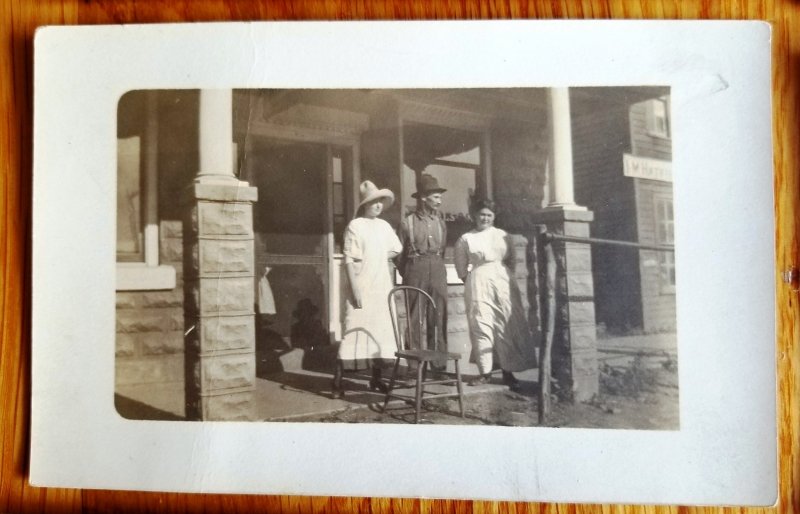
x,y
304,202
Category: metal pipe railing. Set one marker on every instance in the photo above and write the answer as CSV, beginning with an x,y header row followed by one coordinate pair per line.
x,y
550,237
548,261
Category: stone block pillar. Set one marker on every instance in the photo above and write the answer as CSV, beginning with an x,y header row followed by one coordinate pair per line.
x,y
219,288
574,352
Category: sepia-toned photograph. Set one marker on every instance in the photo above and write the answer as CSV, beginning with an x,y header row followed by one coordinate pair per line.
x,y
474,256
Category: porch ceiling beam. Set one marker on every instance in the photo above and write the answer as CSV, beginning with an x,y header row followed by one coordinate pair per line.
x,y
276,102
457,164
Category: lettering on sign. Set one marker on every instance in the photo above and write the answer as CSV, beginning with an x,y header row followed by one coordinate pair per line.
x,y
643,167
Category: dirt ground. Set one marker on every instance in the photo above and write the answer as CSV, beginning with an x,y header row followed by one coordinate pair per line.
x,y
642,395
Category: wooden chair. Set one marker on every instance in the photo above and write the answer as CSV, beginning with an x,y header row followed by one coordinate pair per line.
x,y
407,331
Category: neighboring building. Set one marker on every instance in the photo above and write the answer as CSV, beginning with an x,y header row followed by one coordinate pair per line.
x,y
218,187
625,178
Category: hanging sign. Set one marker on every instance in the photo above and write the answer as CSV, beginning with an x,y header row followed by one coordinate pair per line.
x,y
643,167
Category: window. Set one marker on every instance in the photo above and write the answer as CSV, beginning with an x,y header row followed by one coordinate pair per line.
x,y
453,157
658,122
137,196
665,235
461,181
130,238
453,146
340,165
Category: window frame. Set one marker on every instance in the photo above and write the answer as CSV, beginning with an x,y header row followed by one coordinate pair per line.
x,y
148,274
653,128
666,260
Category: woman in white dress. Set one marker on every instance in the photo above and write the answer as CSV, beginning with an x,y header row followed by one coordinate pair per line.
x,y
369,244
498,327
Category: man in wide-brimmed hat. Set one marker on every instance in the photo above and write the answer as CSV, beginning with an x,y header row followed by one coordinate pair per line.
x,y
424,236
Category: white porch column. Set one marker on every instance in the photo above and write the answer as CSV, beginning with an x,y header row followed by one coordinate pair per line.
x,y
219,276
216,136
560,179
575,363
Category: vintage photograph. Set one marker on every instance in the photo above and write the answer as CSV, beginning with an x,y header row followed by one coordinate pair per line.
x,y
441,256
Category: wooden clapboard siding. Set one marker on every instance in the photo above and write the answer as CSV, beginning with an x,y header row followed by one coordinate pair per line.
x,y
658,301
644,144
601,186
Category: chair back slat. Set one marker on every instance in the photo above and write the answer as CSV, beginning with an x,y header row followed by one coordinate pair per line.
x,y
422,319
412,298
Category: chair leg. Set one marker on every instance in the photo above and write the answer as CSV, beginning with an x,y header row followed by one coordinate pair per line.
x,y
420,373
425,368
460,390
391,384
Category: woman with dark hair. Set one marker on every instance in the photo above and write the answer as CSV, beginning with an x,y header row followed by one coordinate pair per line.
x,y
498,329
369,244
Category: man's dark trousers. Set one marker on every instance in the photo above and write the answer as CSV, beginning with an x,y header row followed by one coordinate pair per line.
x,y
427,272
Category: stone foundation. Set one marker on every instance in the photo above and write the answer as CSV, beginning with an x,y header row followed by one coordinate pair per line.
x,y
150,324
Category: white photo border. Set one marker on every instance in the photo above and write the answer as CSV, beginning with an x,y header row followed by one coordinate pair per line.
x,y
725,451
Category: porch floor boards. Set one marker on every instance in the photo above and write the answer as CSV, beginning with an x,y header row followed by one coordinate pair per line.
x,y
295,392
279,397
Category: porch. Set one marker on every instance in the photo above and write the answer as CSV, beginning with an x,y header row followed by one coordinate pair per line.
x,y
272,181
291,385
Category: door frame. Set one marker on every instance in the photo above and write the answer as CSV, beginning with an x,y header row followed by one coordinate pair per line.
x,y
346,135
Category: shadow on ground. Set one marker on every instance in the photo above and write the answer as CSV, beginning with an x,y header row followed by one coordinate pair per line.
x,y
132,409
356,386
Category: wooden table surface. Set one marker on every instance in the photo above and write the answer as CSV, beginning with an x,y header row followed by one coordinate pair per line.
x,y
19,19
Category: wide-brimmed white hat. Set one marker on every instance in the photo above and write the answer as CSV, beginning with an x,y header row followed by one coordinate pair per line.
x,y
369,192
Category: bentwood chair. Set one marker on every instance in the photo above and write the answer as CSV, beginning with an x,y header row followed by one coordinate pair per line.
x,y
410,333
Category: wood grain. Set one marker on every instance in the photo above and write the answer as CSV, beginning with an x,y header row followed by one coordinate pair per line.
x,y
19,19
